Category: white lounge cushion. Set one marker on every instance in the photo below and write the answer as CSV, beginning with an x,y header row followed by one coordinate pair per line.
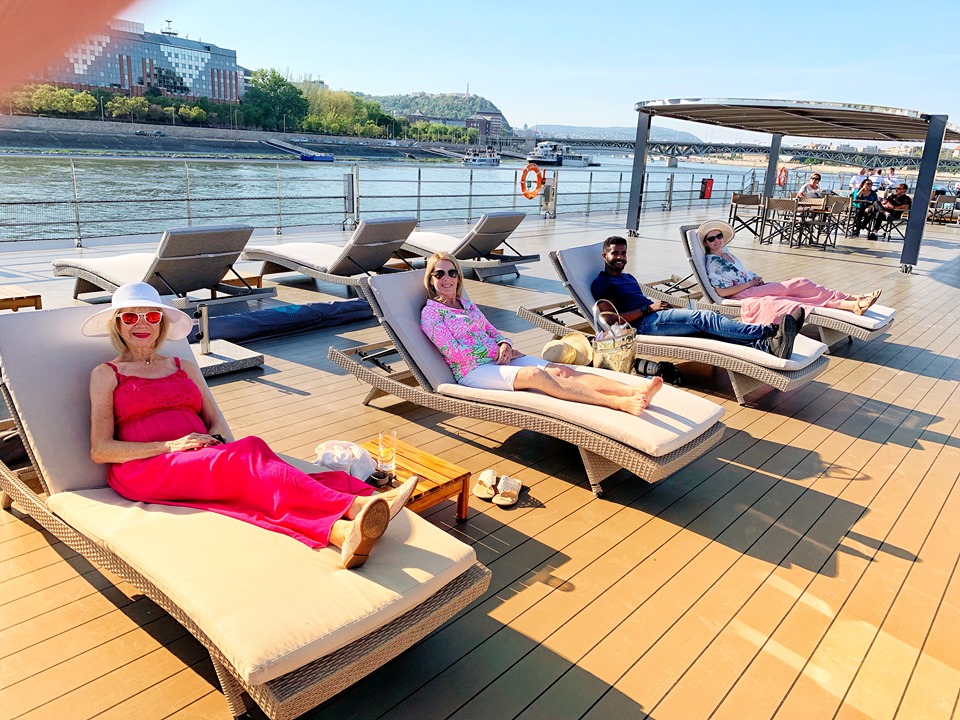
x,y
270,603
434,241
805,350
674,419
116,269
318,256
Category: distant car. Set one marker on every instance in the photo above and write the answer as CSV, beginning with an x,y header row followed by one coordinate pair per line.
x,y
140,132
299,140
159,133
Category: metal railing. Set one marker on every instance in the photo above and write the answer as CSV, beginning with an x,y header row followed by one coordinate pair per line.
x,y
82,199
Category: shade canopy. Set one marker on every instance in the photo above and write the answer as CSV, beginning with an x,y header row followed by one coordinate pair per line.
x,y
801,118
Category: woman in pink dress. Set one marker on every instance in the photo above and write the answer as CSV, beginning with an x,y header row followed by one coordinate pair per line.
x,y
154,422
766,302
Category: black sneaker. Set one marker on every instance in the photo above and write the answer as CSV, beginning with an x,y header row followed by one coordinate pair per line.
x,y
799,315
871,236
781,344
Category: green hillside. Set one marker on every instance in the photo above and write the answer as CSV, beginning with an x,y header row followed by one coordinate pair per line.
x,y
446,105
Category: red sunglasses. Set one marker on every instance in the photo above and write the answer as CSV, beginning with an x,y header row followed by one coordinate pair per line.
x,y
153,317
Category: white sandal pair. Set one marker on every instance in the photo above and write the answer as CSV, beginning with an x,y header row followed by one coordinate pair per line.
x,y
503,492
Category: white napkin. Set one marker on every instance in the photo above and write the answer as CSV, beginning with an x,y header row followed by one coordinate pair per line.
x,y
346,456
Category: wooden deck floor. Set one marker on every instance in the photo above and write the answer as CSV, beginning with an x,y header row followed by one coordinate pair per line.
x,y
806,567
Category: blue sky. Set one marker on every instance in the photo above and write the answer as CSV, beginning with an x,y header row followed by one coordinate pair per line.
x,y
587,63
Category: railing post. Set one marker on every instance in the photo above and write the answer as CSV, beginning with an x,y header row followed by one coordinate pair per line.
x,y
516,183
186,180
356,194
470,198
278,230
589,191
693,181
76,205
670,180
348,199
419,186
619,193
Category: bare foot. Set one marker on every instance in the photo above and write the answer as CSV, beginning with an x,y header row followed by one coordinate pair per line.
x,y
633,405
653,387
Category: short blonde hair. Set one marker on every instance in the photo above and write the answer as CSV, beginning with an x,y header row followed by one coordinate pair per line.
x,y
117,340
432,265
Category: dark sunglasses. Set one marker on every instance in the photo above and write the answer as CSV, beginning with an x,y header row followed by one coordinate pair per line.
x,y
815,177
453,274
713,238
153,317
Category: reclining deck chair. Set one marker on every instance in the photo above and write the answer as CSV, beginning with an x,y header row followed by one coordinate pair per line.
x,y
749,368
676,429
187,260
834,324
283,623
371,246
478,250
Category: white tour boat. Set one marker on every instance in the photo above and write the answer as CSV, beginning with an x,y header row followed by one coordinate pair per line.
x,y
481,157
551,153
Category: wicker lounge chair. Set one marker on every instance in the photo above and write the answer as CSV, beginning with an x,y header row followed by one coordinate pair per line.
x,y
371,246
478,250
270,610
748,367
833,324
187,260
675,430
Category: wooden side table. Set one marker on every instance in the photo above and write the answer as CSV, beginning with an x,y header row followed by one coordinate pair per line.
x,y
439,479
14,297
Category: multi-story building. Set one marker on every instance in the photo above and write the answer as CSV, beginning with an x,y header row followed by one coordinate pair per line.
x,y
487,123
126,58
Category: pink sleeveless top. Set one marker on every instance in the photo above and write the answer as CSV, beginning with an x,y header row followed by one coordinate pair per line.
x,y
152,409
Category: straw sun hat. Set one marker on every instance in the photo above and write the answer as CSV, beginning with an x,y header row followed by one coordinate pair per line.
x,y
573,349
137,295
712,225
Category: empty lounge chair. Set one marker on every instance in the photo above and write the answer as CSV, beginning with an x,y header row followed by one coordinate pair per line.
x,y
371,246
187,260
478,250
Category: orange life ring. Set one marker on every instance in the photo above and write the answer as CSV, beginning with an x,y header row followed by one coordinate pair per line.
x,y
782,177
531,187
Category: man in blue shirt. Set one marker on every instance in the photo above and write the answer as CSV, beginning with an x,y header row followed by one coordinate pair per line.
x,y
659,318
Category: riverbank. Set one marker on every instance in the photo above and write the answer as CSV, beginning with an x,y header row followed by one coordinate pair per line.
x,y
23,135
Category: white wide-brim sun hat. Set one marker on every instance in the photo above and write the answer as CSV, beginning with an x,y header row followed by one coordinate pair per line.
x,y
137,295
711,225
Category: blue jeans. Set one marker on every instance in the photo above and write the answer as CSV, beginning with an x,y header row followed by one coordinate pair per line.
x,y
678,321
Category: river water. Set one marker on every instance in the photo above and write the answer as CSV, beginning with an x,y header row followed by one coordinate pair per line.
x,y
63,198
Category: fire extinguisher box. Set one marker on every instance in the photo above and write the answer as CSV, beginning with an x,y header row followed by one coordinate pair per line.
x,y
706,188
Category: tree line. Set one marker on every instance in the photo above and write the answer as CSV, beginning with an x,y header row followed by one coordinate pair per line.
x,y
271,102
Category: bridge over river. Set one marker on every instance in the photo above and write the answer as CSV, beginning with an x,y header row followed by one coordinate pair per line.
x,y
799,154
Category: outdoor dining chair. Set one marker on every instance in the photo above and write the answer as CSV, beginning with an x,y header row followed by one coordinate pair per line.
x,y
779,221
746,213
942,210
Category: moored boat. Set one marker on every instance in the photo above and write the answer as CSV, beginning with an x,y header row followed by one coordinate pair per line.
x,y
551,153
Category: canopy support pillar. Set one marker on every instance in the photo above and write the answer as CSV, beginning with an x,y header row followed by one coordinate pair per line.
x,y
639,174
770,179
936,128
